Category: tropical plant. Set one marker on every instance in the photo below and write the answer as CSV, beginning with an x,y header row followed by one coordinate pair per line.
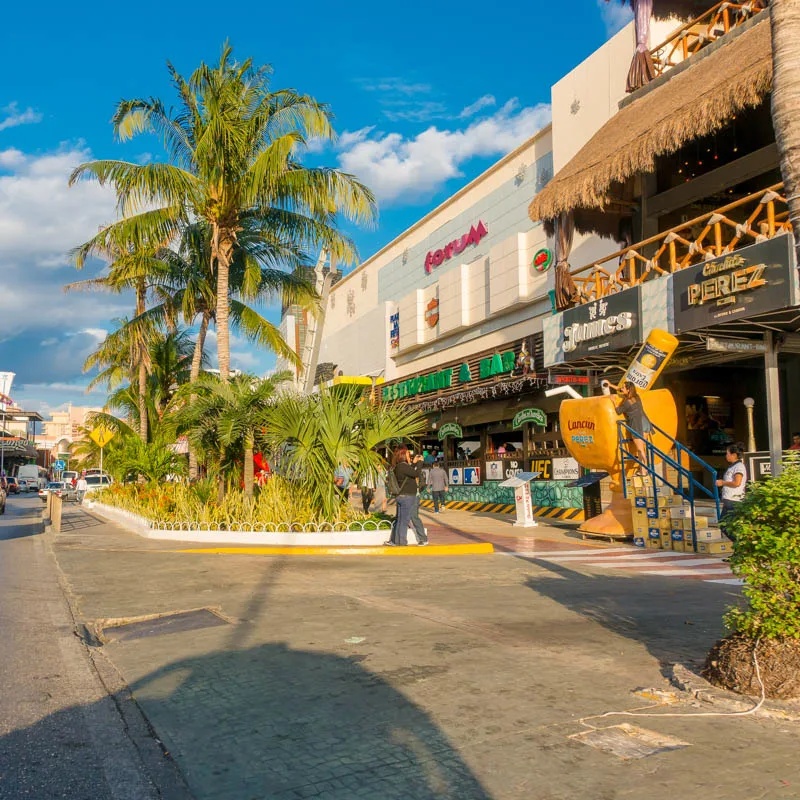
x,y
766,530
233,147
131,266
230,415
310,437
785,24
155,460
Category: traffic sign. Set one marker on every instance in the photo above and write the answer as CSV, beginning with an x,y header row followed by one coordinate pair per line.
x,y
102,435
59,466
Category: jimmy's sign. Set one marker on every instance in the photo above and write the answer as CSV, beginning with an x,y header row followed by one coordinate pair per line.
x,y
612,323
436,258
741,284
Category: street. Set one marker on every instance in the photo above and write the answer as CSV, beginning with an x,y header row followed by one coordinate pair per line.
x,y
361,677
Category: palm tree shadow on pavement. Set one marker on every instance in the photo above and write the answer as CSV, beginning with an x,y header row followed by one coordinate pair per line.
x,y
676,620
274,722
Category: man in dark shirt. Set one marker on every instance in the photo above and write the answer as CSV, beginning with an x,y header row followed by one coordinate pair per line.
x,y
408,473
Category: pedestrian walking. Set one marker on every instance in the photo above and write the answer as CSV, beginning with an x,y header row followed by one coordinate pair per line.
x,y
437,481
407,473
367,488
81,487
733,483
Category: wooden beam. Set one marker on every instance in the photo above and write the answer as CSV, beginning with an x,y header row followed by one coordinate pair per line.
x,y
750,166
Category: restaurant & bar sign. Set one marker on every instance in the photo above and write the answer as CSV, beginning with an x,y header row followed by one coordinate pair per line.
x,y
747,282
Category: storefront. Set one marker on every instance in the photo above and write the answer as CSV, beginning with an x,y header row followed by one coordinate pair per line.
x,y
489,419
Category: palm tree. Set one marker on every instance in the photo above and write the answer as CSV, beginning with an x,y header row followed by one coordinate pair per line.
x,y
785,24
309,437
233,147
131,266
231,413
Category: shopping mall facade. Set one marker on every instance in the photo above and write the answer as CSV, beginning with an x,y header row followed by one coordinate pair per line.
x,y
551,267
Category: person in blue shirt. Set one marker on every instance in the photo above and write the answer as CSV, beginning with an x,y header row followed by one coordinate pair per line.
x,y
342,478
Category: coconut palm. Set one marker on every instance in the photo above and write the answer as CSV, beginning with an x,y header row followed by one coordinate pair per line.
x,y
785,24
231,413
132,266
233,147
310,437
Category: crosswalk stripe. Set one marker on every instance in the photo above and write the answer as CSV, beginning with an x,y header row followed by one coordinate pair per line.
x,y
699,562
589,551
615,557
687,572
729,581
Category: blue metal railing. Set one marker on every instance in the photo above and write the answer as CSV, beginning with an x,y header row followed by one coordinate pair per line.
x,y
687,483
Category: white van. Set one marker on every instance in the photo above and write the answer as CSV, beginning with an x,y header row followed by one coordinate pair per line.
x,y
31,477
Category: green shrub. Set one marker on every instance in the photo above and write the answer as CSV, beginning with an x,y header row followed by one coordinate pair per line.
x,y
766,529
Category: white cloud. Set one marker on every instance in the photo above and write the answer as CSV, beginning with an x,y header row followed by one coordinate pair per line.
x,y
350,138
12,116
399,85
615,15
41,217
398,168
48,342
473,108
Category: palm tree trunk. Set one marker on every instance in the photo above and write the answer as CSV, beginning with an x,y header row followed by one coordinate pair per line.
x,y
785,22
248,466
221,483
141,296
197,363
222,252
143,401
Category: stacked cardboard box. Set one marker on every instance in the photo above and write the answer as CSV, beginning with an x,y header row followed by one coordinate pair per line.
x,y
663,520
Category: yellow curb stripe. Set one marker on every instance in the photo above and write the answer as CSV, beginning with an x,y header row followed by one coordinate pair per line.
x,y
479,548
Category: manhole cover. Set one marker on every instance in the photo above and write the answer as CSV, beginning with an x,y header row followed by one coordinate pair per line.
x,y
166,623
629,741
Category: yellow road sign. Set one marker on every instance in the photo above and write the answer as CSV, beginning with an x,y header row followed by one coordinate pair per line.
x,y
102,435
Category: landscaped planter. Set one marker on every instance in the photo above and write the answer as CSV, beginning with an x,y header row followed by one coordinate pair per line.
x,y
279,536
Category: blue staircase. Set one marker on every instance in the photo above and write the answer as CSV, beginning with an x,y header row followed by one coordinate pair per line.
x,y
681,459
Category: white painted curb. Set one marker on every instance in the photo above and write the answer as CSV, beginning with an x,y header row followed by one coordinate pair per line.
x,y
141,526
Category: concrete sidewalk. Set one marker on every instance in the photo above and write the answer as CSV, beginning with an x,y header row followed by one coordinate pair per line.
x,y
426,679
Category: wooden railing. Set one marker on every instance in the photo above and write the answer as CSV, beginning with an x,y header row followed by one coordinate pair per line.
x,y
751,219
700,32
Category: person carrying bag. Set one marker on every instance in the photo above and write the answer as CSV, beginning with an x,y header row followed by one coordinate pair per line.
x,y
402,481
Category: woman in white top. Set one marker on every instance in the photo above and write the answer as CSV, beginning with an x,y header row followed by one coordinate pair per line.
x,y
734,481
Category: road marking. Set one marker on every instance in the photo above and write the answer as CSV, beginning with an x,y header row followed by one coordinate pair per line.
x,y
615,558
590,550
688,573
729,581
479,548
689,562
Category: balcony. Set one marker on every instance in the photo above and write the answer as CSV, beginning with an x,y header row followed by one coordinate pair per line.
x,y
702,31
755,218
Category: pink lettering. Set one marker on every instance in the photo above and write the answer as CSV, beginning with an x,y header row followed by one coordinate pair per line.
x,y
437,257
429,262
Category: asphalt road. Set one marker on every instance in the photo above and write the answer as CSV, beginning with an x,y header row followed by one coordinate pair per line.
x,y
61,734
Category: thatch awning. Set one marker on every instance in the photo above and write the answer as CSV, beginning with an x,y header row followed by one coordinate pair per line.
x,y
694,102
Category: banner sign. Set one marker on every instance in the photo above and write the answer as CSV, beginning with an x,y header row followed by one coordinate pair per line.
x,y
450,429
751,281
534,415
613,323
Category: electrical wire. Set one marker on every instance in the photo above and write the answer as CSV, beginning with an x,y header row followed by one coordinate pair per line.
x,y
636,713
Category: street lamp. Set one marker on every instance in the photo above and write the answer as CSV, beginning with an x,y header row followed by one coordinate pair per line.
x,y
751,436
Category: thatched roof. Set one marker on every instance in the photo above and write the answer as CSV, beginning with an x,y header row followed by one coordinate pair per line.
x,y
685,9
692,103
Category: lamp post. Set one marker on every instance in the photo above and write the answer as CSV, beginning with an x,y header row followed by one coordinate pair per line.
x,y
751,436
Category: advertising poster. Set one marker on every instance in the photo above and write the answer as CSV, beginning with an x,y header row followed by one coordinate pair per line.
x,y
494,471
455,476
472,476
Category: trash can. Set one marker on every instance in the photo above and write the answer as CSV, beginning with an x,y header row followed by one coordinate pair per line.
x,y
590,484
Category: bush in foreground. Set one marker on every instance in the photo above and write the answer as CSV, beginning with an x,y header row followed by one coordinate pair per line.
x,y
766,529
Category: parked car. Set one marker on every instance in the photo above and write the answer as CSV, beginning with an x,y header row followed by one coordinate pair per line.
x,y
98,482
12,486
59,488
69,476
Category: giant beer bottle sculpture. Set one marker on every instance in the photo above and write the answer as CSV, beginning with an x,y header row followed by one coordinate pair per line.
x,y
590,432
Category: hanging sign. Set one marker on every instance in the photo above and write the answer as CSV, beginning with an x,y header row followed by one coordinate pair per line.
x,y
450,429
534,415
750,281
394,330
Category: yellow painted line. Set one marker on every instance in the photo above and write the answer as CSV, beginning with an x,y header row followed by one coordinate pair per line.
x,y
479,548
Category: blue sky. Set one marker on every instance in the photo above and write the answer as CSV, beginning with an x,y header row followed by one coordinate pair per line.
x,y
425,95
